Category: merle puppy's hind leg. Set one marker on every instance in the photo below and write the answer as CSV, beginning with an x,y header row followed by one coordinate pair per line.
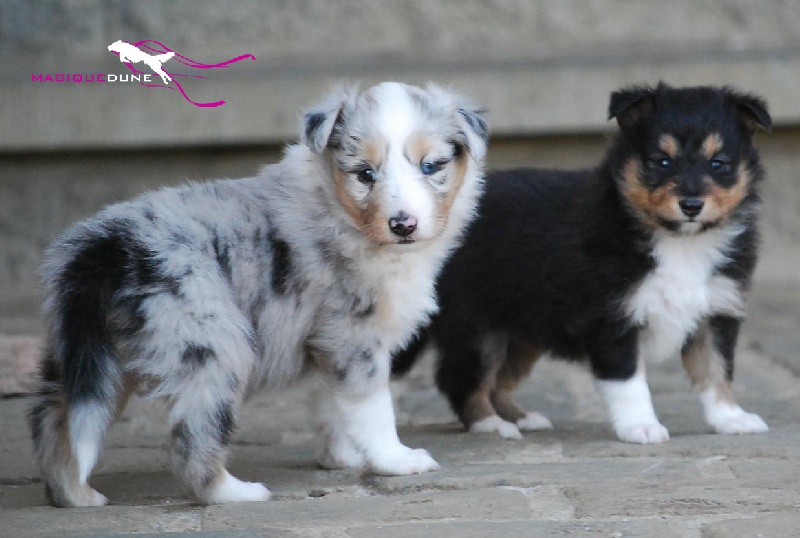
x,y
202,425
198,353
708,359
68,425
516,366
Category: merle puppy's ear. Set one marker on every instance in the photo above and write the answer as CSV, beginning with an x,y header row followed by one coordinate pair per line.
x,y
473,129
630,105
754,112
319,121
476,129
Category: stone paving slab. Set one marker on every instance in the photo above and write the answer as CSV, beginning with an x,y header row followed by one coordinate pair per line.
x,y
576,480
772,526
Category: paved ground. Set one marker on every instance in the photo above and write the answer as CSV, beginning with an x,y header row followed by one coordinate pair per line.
x,y
574,481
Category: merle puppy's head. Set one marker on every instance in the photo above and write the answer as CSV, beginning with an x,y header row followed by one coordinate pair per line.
x,y
685,160
399,156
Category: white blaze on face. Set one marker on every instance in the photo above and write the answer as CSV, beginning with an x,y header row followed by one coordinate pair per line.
x,y
398,121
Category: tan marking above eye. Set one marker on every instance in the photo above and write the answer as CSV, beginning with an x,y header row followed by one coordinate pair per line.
x,y
419,146
669,145
374,151
711,145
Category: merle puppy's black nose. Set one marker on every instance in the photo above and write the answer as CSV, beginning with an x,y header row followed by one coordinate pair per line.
x,y
403,224
691,207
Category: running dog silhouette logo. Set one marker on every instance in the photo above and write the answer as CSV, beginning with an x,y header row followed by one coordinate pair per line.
x,y
130,54
154,55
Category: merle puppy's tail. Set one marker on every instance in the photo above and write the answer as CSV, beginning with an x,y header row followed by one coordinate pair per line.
x,y
80,372
404,360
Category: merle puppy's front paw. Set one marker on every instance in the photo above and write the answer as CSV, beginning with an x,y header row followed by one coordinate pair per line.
x,y
643,434
340,454
404,461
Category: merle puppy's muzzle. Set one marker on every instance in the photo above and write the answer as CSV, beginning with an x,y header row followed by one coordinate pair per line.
x,y
403,224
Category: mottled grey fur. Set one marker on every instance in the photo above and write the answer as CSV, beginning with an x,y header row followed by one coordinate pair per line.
x,y
203,292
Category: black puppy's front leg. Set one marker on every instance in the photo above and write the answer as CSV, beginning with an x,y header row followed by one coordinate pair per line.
x,y
620,378
708,359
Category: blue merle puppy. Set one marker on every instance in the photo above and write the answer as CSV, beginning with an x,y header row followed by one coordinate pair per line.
x,y
324,262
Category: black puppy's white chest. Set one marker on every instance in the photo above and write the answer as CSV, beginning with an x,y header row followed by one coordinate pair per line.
x,y
683,288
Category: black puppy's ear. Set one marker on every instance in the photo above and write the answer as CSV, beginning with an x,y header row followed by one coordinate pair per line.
x,y
319,121
630,105
754,112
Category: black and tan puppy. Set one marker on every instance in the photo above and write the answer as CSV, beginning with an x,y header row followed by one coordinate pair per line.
x,y
646,257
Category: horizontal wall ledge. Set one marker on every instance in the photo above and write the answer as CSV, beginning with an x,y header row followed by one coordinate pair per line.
x,y
523,96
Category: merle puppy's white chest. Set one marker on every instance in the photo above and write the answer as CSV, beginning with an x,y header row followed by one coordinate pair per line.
x,y
681,291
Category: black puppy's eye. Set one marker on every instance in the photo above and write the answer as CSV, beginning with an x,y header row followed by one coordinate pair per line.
x,y
367,176
718,165
430,168
665,163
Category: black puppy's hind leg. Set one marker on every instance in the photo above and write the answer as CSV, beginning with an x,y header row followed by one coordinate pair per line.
x,y
466,374
517,365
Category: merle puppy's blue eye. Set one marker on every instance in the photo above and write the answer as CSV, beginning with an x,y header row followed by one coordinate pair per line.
x,y
430,168
367,176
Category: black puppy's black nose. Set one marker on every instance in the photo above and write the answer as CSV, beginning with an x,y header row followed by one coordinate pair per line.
x,y
691,207
403,224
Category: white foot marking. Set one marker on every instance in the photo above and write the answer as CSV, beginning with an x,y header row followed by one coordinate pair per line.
x,y
728,417
91,497
232,490
743,423
403,460
338,452
534,421
644,434
631,410
98,499
85,496
363,426
494,423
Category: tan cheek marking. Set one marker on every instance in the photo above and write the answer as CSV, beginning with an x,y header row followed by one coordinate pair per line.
x,y
444,200
458,173
721,201
632,187
711,145
664,202
661,202
669,145
366,215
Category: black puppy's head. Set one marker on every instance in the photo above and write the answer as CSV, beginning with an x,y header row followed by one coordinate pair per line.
x,y
686,160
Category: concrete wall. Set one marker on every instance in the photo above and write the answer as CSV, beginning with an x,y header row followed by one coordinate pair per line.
x,y
542,68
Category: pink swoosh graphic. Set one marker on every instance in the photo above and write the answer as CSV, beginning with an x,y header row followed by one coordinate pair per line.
x,y
159,48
